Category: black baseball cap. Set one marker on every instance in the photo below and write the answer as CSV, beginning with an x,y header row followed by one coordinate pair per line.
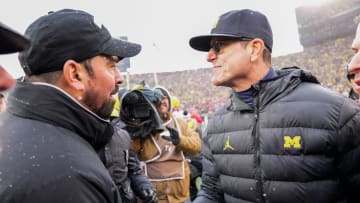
x,y
244,23
11,41
69,34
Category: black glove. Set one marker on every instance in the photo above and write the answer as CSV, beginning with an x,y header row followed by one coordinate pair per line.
x,y
148,195
174,136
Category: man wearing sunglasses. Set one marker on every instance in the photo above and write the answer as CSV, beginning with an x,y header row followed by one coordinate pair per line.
x,y
353,69
281,137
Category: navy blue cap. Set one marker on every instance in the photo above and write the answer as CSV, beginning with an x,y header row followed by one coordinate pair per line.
x,y
244,23
69,34
11,41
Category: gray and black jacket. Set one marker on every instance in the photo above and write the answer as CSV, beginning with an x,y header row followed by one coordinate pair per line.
x,y
300,143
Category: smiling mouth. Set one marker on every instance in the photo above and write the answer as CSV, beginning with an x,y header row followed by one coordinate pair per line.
x,y
357,82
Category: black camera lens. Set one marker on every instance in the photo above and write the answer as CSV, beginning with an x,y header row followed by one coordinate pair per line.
x,y
131,98
142,111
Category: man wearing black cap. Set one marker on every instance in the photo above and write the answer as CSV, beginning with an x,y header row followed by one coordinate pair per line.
x,y
58,117
281,137
6,82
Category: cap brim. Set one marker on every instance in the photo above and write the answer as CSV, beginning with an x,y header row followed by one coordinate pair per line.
x,y
121,48
202,42
11,41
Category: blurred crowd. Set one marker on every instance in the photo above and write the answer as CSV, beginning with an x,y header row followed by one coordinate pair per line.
x,y
193,88
326,61
311,14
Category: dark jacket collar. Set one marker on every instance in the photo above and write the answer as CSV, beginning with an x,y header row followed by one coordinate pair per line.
x,y
46,103
274,88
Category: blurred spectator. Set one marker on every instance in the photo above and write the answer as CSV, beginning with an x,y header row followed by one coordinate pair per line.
x,y
195,115
6,82
354,91
354,67
194,160
10,42
2,102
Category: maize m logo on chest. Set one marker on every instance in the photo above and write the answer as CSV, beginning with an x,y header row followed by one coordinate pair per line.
x,y
292,142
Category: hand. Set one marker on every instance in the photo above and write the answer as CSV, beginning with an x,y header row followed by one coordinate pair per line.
x,y
174,135
148,195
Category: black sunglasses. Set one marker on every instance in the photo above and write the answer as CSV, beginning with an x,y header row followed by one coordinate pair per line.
x,y
218,45
350,76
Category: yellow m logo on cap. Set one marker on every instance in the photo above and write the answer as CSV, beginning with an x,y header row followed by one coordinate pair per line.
x,y
292,142
216,23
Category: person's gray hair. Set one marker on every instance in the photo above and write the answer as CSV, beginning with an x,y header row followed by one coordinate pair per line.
x,y
51,77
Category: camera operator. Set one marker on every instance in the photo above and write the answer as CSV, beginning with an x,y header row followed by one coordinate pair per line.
x,y
123,164
160,141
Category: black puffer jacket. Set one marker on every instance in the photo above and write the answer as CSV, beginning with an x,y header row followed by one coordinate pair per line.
x,y
47,143
300,143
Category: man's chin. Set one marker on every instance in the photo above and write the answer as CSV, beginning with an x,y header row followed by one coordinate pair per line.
x,y
106,109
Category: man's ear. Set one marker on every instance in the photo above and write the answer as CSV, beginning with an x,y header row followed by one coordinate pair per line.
x,y
74,75
257,47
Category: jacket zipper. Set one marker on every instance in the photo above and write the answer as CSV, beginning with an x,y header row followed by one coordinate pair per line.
x,y
256,134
